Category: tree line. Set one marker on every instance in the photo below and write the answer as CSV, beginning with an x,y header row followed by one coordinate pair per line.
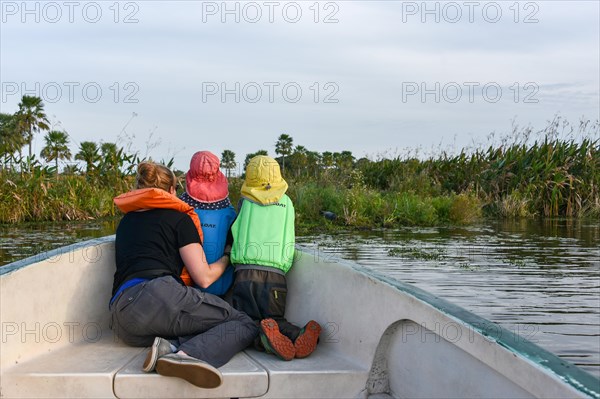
x,y
299,162
552,172
104,160
109,161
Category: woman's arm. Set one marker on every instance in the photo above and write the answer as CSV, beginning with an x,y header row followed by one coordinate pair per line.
x,y
202,273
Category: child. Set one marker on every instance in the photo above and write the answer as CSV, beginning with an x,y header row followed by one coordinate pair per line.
x,y
208,193
263,251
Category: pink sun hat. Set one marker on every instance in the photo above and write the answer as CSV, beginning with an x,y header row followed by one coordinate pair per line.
x,y
204,181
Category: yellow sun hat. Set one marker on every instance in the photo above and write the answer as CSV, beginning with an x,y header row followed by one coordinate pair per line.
x,y
263,183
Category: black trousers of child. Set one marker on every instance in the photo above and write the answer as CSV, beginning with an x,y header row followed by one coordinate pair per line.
x,y
261,294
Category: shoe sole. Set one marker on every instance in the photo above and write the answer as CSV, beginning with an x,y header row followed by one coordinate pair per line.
x,y
202,375
306,343
279,343
152,357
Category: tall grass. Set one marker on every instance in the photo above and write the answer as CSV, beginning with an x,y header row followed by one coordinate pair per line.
x,y
549,177
364,207
40,197
552,175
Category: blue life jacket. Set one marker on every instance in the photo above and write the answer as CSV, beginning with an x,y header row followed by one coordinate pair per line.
x,y
215,226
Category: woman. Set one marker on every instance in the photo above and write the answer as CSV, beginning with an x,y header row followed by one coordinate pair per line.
x,y
189,331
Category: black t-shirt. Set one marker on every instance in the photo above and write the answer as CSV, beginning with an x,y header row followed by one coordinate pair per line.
x,y
147,244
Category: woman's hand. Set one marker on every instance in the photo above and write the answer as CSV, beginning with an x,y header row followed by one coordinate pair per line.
x,y
202,273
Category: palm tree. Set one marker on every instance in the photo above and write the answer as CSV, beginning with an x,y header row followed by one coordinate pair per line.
x,y
300,158
112,158
11,139
57,147
283,147
327,159
228,161
31,118
252,155
88,153
314,160
343,160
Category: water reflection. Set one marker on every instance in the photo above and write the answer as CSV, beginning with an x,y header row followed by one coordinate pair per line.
x,y
539,279
24,240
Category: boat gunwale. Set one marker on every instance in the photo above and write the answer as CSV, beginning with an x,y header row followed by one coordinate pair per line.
x,y
42,256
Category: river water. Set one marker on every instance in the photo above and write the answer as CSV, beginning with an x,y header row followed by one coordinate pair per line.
x,y
540,279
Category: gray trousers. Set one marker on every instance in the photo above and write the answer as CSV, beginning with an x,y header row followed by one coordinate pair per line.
x,y
202,325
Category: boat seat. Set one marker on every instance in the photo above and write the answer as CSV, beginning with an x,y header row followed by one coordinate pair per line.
x,y
324,374
242,377
106,368
77,370
254,374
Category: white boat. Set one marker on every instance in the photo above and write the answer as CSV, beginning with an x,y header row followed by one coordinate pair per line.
x,y
380,339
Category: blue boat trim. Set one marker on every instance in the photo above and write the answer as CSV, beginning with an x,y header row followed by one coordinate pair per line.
x,y
572,375
11,267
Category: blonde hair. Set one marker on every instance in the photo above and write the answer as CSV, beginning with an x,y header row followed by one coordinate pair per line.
x,y
153,175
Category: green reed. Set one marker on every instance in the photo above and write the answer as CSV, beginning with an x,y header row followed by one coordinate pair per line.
x,y
549,177
553,175
39,196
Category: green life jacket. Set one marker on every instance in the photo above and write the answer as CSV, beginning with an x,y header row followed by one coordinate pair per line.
x,y
264,235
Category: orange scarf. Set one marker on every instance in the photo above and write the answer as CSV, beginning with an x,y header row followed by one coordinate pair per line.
x,y
155,198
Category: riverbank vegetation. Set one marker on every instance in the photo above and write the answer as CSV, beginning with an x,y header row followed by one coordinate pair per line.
x,y
554,172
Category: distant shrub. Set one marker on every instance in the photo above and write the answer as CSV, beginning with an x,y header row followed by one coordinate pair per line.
x,y
465,209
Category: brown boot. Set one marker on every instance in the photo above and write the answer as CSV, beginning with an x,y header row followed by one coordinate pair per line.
x,y
307,341
274,341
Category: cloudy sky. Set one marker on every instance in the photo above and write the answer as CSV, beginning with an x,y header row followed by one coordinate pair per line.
x,y
168,78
